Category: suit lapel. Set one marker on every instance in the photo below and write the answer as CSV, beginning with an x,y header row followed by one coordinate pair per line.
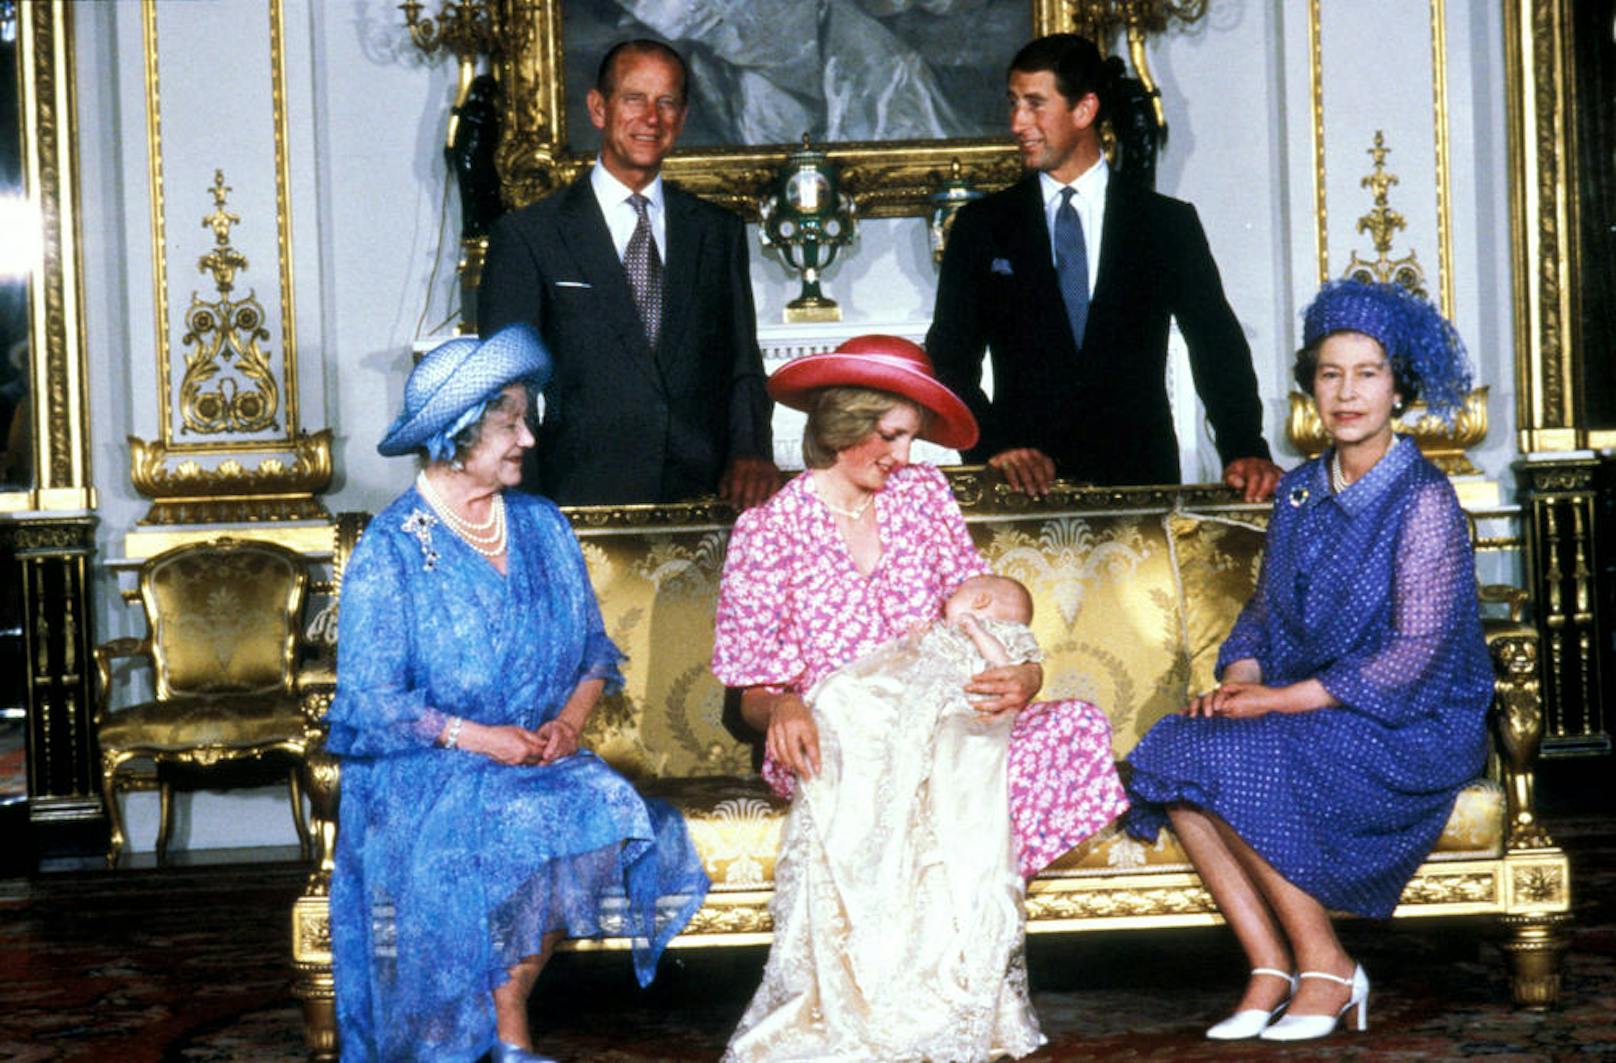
x,y
680,266
1113,242
583,230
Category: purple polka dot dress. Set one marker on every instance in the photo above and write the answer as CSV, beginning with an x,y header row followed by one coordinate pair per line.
x,y
1373,593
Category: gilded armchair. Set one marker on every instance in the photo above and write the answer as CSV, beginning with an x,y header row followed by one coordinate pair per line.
x,y
223,621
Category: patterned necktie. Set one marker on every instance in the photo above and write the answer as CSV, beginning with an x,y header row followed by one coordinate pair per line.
x,y
644,267
1072,265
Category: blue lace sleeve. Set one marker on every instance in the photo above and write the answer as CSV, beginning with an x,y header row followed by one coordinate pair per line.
x,y
1434,583
378,709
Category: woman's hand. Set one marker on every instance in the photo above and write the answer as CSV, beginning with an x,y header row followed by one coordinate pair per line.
x,y
506,743
793,737
1006,689
557,739
1244,701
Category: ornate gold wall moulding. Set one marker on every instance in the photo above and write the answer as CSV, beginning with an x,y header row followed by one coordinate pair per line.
x,y
1537,54
1445,446
56,475
282,485
1382,223
222,333
886,179
312,539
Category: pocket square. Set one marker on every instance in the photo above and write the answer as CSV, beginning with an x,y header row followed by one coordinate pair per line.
x,y
573,284
1002,265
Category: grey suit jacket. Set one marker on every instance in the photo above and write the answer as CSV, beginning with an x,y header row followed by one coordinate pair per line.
x,y
624,423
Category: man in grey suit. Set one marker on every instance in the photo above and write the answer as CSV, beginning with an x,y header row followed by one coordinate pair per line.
x,y
643,294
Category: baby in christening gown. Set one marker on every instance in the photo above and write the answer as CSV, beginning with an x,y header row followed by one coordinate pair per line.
x,y
898,906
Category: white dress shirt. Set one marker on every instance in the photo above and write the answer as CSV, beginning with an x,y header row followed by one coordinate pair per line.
x,y
612,195
1090,206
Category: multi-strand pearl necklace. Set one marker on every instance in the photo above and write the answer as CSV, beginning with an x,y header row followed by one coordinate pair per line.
x,y
1338,479
487,538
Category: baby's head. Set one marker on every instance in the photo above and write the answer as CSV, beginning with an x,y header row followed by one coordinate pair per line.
x,y
989,597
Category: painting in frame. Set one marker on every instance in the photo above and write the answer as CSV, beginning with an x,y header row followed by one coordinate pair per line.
x,y
895,92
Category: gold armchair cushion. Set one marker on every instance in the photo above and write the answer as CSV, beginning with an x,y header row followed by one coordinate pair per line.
x,y
224,722
1218,561
223,617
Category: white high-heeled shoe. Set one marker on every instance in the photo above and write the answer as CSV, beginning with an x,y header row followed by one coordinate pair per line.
x,y
1308,1027
1250,1022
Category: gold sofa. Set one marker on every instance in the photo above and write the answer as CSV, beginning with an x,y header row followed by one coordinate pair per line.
x,y
1135,589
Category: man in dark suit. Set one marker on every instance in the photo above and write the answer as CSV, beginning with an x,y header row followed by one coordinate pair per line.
x,y
643,295
1069,278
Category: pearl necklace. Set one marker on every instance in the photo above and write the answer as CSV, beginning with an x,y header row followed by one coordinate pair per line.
x,y
487,538
1338,479
854,512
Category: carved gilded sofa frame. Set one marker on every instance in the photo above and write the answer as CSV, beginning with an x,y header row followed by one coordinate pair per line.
x,y
1105,557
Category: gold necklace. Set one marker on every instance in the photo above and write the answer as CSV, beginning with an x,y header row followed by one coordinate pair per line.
x,y
854,512
488,538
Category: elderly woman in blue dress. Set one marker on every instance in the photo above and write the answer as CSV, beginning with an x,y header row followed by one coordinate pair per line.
x,y
474,833
1354,687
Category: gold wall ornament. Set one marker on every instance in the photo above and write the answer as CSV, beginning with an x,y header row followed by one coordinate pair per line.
x,y
226,332
1382,223
885,178
281,486
1444,444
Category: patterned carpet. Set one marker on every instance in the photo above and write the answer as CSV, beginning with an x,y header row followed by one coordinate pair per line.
x,y
190,965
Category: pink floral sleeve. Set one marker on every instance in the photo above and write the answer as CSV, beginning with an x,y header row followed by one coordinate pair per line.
x,y
751,646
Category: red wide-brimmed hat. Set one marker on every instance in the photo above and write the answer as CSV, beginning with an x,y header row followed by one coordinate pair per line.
x,y
885,363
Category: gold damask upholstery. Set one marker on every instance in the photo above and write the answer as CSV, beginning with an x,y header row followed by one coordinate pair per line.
x,y
657,590
1217,558
223,641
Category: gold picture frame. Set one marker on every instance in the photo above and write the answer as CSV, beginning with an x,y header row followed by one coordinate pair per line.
x,y
886,178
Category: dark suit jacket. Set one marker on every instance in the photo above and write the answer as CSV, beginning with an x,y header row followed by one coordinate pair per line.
x,y
1100,412
623,423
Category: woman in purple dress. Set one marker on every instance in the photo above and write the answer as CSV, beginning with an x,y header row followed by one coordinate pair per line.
x,y
1354,687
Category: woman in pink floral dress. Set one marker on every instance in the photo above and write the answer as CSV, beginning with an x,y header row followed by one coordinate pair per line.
x,y
858,550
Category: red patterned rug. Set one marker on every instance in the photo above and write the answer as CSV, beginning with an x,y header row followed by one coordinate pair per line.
x,y
191,965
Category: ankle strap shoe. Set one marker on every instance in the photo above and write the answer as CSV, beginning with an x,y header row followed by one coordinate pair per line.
x,y
1308,1027
1250,1022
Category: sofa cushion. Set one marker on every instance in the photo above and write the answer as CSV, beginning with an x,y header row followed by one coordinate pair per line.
x,y
226,721
658,591
1217,560
1475,830
1106,615
734,822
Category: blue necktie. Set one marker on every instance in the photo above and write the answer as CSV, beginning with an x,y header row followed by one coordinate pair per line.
x,y
1072,265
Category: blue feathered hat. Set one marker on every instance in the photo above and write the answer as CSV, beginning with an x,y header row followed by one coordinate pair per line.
x,y
449,388
1416,337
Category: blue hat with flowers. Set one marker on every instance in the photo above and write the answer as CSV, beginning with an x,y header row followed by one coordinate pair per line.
x,y
1416,337
449,388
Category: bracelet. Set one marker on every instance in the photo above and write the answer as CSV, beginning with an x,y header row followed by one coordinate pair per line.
x,y
451,734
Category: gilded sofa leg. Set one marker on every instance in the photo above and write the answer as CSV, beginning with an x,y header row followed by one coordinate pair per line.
x,y
1535,948
314,990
